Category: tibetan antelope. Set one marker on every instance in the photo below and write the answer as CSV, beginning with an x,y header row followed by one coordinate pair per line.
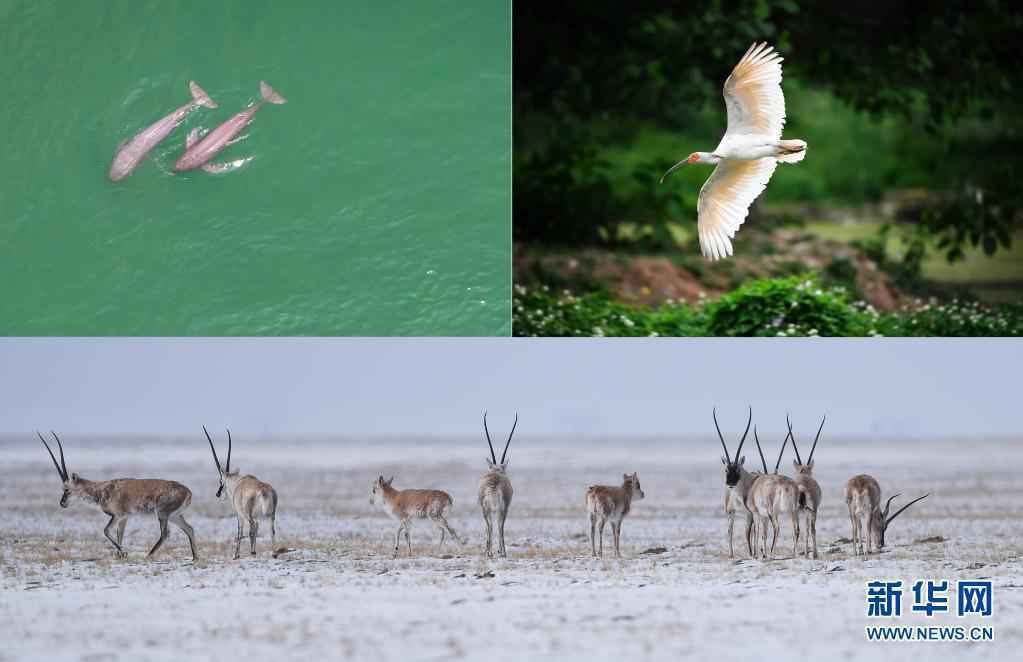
x,y
611,504
770,497
122,497
737,485
863,496
405,505
811,490
495,493
250,497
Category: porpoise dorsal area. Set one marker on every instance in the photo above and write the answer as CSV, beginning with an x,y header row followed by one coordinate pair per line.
x,y
131,152
201,151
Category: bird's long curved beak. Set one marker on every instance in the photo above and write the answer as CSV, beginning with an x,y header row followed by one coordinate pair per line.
x,y
673,169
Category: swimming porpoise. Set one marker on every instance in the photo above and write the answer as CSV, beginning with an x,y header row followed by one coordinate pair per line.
x,y
200,151
131,152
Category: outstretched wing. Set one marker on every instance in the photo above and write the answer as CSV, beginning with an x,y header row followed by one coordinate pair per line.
x,y
753,93
725,199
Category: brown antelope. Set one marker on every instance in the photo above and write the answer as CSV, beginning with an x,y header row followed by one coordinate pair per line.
x,y
863,496
809,488
250,497
495,493
122,497
737,485
405,505
611,504
770,497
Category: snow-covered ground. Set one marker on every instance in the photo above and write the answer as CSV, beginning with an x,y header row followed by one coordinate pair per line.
x,y
339,594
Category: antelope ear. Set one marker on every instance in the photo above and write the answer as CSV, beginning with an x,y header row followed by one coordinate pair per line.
x,y
390,480
795,462
626,477
809,465
724,460
75,478
742,460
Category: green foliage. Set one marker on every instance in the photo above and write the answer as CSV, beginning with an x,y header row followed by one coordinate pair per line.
x,y
783,306
956,318
793,306
543,312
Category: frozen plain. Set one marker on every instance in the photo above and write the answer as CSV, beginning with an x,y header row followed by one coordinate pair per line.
x,y
340,595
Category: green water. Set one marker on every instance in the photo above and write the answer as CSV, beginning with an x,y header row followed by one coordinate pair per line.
x,y
378,202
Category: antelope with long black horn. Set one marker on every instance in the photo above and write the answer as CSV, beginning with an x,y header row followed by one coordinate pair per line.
x,y
810,490
737,485
770,497
863,496
495,493
752,528
121,498
250,497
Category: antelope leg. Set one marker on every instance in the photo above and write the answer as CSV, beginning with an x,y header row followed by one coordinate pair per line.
x,y
116,542
501,516
488,533
238,540
163,536
179,520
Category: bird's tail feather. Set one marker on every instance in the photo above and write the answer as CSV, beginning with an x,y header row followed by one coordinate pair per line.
x,y
791,151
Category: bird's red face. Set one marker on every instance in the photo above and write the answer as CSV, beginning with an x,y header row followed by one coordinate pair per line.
x,y
693,158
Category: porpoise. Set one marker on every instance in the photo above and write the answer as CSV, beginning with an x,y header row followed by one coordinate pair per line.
x,y
200,151
131,152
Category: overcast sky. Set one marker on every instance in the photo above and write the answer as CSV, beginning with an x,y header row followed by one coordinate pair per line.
x,y
425,387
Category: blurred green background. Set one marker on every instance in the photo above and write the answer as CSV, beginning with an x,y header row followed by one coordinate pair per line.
x,y
909,190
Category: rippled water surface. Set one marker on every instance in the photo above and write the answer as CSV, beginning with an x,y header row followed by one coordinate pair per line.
x,y
378,201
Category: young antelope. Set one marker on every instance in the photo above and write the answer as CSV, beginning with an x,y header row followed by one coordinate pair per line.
x,y
406,505
611,504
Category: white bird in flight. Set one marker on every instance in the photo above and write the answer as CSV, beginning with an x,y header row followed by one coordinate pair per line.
x,y
748,152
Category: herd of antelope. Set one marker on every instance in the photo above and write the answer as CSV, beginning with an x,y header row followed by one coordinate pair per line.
x,y
765,498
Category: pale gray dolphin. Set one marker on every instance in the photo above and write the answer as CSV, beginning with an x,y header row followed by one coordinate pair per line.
x,y
198,152
131,152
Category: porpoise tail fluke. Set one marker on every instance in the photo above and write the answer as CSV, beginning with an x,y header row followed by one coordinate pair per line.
x,y
200,95
269,94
